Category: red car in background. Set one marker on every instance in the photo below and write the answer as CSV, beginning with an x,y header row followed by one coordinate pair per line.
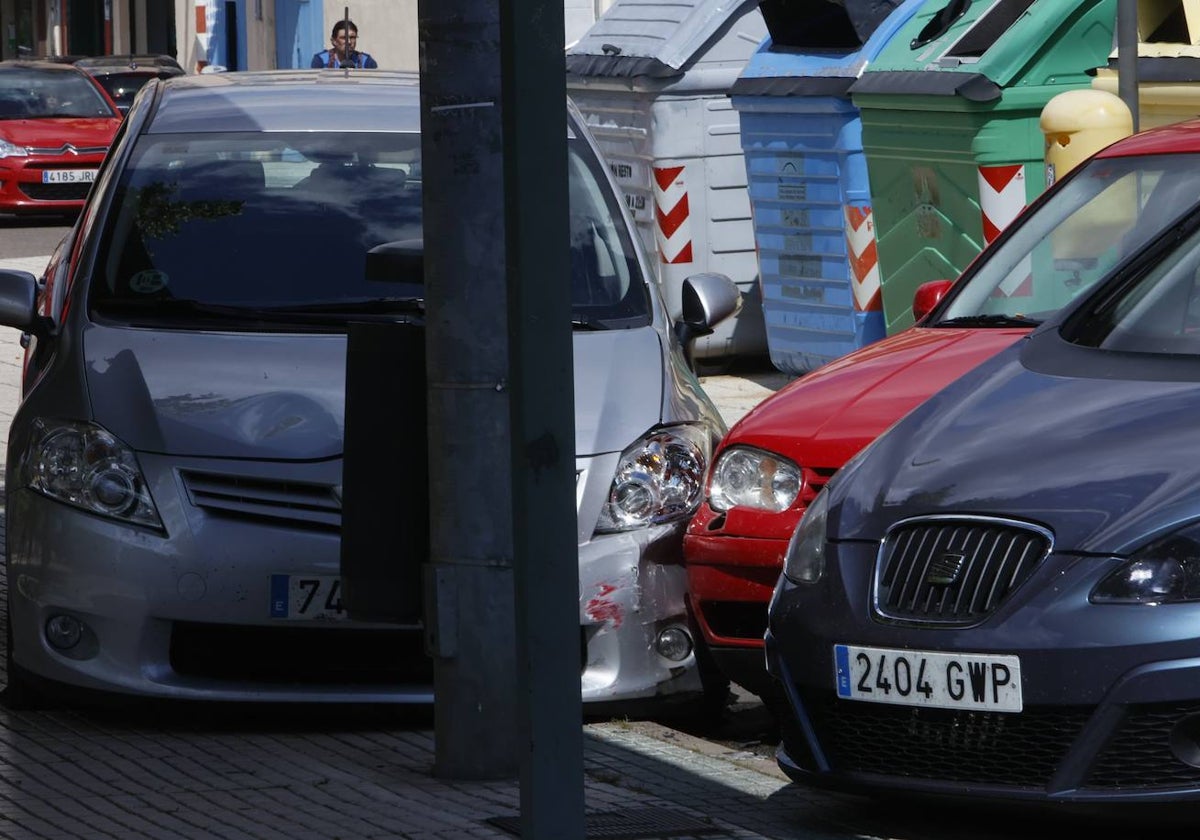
x,y
56,124
773,462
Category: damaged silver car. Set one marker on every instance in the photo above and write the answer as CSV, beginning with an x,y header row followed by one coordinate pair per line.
x,y
175,468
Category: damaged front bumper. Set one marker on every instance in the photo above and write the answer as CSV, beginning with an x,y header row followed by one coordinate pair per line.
x,y
636,640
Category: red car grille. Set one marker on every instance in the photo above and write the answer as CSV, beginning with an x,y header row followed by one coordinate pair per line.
x,y
56,192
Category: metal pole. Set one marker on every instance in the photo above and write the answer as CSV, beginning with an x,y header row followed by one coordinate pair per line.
x,y
469,599
534,116
502,589
1127,56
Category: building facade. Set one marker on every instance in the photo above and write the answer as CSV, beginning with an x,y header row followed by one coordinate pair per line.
x,y
228,34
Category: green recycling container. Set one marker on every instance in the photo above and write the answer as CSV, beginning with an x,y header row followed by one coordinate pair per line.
x,y
950,124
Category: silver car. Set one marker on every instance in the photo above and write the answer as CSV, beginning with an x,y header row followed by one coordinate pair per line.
x,y
175,469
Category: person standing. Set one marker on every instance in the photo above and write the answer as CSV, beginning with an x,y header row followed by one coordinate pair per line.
x,y
344,52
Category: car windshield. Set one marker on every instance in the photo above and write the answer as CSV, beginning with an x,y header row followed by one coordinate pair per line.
x,y
314,225
27,92
1103,215
122,87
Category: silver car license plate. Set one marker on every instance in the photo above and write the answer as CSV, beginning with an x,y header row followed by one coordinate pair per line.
x,y
982,681
307,597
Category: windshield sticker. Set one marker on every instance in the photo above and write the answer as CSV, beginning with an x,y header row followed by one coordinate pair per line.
x,y
148,281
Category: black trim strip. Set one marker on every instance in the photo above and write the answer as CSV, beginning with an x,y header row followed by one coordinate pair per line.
x,y
619,66
975,87
794,86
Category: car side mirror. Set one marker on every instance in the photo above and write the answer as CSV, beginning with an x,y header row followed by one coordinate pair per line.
x,y
928,296
18,302
707,299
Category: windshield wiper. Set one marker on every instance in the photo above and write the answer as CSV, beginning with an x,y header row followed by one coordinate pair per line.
x,y
336,311
369,306
585,323
989,321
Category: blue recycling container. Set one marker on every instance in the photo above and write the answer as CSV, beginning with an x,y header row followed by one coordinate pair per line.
x,y
807,175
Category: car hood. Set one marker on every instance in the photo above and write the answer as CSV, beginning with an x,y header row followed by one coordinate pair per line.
x,y
823,418
81,132
238,395
1099,461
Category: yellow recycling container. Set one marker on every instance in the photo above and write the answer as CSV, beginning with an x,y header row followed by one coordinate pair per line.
x,y
1079,123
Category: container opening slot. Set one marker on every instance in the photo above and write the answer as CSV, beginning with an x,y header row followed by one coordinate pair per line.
x,y
810,24
988,29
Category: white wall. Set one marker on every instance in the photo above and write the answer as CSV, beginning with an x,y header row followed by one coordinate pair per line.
x,y
387,29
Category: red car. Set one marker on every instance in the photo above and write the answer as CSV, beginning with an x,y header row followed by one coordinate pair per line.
x,y
56,124
771,464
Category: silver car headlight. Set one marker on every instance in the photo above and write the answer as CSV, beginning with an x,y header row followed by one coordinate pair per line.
x,y
1164,572
12,150
804,561
658,479
753,478
83,465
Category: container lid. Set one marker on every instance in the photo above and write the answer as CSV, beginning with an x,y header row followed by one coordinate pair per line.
x,y
800,59
1002,43
653,38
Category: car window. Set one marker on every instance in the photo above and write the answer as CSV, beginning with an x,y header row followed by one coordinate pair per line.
x,y
1100,217
31,93
1157,312
310,219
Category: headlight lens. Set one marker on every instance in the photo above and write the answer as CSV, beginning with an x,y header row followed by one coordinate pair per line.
x,y
753,478
85,466
658,479
805,558
11,150
1165,572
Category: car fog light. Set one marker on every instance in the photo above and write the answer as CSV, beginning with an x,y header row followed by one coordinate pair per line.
x,y
674,643
63,631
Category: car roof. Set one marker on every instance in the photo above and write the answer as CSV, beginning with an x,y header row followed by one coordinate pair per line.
x,y
39,64
288,100
1182,137
128,62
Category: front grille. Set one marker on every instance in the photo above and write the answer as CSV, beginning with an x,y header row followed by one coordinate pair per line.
x,y
1019,750
1140,754
313,505
67,148
56,192
818,477
321,655
954,570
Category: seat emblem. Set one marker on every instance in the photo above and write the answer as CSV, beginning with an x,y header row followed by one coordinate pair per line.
x,y
944,570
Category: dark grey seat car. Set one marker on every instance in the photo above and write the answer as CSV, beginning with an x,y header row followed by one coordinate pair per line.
x,y
175,469
124,75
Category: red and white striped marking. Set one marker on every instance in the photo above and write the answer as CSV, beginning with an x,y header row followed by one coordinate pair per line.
x,y
674,229
864,259
1001,199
